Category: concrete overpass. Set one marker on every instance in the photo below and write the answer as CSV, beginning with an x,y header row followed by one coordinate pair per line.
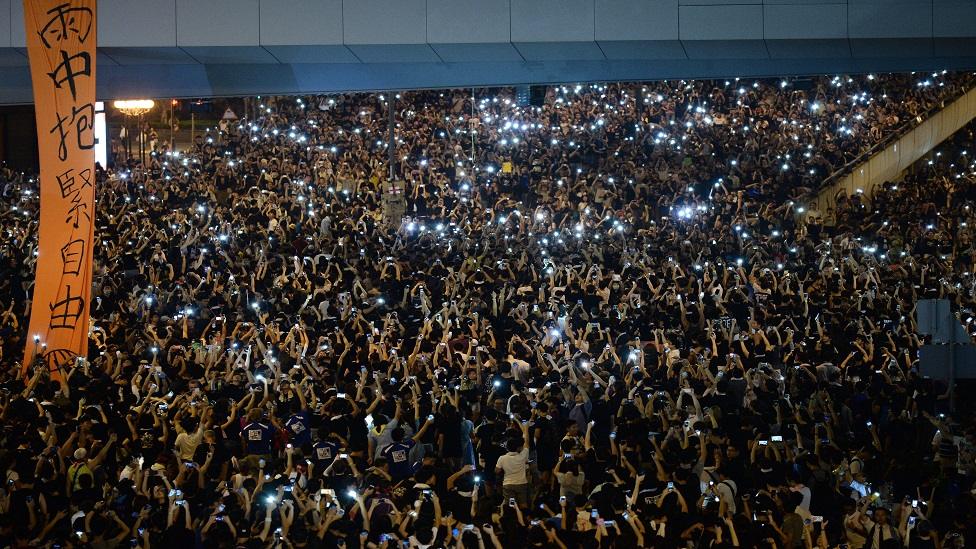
x,y
196,48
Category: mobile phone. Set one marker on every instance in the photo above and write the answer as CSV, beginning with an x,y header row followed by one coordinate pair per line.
x,y
670,487
340,395
562,500
511,502
594,514
763,442
776,438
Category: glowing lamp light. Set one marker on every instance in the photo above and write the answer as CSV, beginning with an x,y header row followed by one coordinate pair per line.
x,y
134,107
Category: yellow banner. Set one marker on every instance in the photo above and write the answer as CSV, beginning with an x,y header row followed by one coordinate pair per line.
x,y
61,48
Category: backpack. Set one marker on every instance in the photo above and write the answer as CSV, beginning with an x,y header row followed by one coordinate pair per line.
x,y
78,471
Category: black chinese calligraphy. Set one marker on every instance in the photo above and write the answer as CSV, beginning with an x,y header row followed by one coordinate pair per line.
x,y
66,311
70,68
66,21
71,187
73,257
81,121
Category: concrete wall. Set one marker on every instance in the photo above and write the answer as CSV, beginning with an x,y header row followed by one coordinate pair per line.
x,y
218,47
889,163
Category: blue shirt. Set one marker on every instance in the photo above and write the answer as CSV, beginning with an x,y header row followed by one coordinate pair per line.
x,y
323,452
298,429
397,456
257,438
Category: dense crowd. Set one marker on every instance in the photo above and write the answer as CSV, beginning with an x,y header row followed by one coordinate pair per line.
x,y
603,322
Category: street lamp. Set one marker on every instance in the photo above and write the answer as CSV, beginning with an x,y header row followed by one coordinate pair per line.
x,y
134,107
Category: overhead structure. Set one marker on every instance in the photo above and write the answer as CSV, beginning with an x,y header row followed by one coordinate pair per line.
x,y
194,48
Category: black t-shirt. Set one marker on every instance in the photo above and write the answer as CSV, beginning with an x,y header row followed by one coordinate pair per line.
x,y
451,430
460,504
501,385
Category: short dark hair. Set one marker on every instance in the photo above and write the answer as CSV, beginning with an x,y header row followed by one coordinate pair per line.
x,y
397,434
514,444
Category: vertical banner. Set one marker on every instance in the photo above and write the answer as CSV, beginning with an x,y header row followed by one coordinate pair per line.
x,y
61,49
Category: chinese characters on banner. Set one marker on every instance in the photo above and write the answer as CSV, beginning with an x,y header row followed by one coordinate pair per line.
x,y
61,48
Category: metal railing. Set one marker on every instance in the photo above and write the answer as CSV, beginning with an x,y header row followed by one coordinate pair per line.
x,y
899,131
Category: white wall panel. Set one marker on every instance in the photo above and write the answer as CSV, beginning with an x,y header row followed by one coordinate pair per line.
x,y
208,23
301,22
553,21
384,21
136,23
620,20
468,21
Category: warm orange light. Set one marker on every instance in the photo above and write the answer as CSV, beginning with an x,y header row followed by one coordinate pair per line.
x,y
134,107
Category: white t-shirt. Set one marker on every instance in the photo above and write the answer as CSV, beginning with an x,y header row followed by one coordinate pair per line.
x,y
807,494
186,444
515,465
726,491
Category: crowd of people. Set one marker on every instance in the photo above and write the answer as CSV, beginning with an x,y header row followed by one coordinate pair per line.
x,y
602,322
